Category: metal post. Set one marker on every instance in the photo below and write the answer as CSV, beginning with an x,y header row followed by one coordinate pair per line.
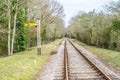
x,y
38,37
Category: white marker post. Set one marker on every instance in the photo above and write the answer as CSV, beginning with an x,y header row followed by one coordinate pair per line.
x,y
38,37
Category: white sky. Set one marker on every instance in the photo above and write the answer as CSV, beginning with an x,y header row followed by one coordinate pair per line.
x,y
72,7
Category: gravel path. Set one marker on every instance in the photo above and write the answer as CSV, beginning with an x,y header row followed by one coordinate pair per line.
x,y
56,60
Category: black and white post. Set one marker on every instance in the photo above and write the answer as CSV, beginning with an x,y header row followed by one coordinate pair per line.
x,y
38,37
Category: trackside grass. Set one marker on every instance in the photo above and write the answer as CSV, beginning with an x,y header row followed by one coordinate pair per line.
x,y
110,56
25,65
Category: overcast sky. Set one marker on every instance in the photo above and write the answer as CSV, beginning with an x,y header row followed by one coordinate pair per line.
x,y
72,7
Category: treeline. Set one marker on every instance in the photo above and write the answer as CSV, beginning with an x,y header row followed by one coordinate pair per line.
x,y
101,29
14,37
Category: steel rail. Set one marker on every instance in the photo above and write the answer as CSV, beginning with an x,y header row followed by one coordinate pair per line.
x,y
66,77
99,70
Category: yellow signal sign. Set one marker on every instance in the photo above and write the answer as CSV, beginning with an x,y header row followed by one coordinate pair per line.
x,y
30,24
26,24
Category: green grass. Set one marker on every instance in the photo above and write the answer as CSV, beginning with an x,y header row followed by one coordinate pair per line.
x,y
110,56
25,65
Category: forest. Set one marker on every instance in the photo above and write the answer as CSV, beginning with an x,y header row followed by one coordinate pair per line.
x,y
98,28
95,28
14,37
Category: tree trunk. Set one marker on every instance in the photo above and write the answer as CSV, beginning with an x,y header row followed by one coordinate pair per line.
x,y
54,36
14,31
9,26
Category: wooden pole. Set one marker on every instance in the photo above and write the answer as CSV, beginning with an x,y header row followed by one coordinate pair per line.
x,y
38,38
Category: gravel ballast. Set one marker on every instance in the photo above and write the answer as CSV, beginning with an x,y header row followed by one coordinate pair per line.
x,y
49,70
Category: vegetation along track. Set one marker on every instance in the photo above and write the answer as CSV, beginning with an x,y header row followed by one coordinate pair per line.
x,y
76,66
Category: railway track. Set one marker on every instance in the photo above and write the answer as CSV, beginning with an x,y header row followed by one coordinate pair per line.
x,y
76,66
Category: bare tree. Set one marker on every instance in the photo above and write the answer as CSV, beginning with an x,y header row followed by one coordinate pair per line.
x,y
46,10
9,24
14,28
18,5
